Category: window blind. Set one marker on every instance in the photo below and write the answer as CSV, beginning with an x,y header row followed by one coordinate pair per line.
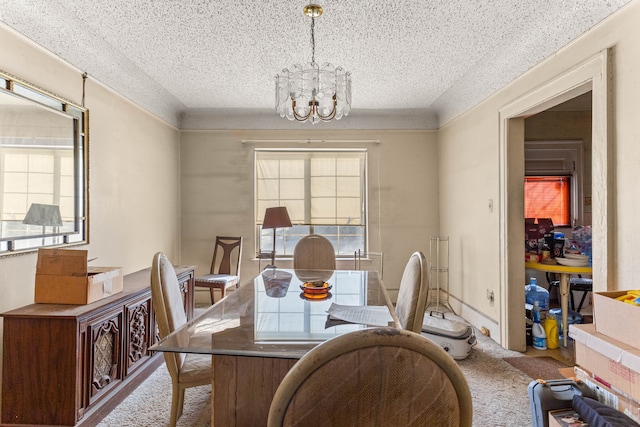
x,y
317,187
548,197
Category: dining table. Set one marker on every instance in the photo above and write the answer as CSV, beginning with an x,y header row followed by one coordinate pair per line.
x,y
564,272
259,331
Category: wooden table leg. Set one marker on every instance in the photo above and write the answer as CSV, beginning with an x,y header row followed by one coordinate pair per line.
x,y
242,389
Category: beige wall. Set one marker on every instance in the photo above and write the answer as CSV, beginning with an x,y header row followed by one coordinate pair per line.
x,y
217,191
133,173
469,166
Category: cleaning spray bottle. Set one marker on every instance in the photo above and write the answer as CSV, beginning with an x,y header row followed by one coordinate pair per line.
x,y
538,333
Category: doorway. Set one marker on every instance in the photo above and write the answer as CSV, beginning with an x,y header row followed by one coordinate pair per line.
x,y
589,76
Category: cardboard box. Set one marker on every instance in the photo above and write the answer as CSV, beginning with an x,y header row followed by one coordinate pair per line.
x,y
565,418
63,277
610,361
608,396
616,318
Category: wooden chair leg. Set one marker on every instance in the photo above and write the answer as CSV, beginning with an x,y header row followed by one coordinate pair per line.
x,y
211,289
175,401
223,292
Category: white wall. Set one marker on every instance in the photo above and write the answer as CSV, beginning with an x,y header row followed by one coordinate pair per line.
x,y
217,191
469,165
133,173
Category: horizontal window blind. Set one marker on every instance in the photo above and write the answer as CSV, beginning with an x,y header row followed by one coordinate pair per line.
x,y
317,187
548,197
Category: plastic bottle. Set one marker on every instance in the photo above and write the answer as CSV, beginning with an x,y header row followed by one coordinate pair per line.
x,y
550,326
537,331
533,293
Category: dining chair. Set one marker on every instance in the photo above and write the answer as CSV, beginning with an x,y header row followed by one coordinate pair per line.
x,y
225,267
412,293
314,252
186,370
373,377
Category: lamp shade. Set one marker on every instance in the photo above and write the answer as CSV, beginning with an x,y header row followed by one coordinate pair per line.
x,y
277,217
45,215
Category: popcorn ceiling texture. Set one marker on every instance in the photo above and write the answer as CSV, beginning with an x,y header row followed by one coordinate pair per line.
x,y
431,59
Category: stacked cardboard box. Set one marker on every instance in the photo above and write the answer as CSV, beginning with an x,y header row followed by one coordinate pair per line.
x,y
608,353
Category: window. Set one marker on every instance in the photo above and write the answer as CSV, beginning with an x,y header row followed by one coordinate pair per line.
x,y
324,192
554,183
548,197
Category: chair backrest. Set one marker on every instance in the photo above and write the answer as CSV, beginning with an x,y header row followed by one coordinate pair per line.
x,y
377,376
314,252
227,256
166,298
412,294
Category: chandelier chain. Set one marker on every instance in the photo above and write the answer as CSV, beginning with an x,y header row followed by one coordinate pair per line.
x,y
313,40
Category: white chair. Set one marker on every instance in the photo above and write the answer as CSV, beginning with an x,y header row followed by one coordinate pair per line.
x,y
374,377
412,294
314,252
186,370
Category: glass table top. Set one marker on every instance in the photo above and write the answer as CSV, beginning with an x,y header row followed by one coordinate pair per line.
x,y
271,316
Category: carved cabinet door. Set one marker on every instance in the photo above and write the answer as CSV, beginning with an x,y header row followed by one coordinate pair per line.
x,y
140,334
104,357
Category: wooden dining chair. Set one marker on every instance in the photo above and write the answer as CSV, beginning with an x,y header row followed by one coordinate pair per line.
x,y
225,267
374,377
412,293
186,370
314,252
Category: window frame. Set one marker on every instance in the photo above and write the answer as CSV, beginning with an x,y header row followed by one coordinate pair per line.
x,y
286,238
75,231
560,158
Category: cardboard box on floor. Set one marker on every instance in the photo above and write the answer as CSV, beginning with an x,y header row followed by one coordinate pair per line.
x,y
63,277
616,319
612,362
608,396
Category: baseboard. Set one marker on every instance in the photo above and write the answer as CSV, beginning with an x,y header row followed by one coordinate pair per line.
x,y
480,321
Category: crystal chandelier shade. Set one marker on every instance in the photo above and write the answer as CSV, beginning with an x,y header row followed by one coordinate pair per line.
x,y
312,92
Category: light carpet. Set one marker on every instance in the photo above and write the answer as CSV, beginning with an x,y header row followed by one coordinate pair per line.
x,y
150,405
499,395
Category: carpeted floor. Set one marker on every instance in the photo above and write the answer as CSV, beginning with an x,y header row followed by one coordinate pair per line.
x,y
150,405
544,367
499,392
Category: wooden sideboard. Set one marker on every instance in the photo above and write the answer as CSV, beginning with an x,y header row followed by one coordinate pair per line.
x,y
72,364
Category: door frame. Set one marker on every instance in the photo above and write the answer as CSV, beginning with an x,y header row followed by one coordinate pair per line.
x,y
591,75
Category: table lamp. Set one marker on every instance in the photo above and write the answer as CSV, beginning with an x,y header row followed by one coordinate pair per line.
x,y
44,215
277,217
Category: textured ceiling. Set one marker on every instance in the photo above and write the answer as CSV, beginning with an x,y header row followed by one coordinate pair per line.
x,y
213,61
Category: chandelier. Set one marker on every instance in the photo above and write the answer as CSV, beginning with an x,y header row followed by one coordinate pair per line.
x,y
313,92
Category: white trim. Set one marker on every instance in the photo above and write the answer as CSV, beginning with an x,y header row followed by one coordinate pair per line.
x,y
310,141
479,320
591,75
